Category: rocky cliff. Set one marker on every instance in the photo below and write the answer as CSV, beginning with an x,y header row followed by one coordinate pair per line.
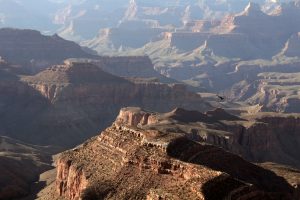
x,y
136,159
258,137
75,100
272,138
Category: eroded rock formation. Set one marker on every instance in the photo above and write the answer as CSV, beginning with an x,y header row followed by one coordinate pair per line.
x,y
257,137
76,100
130,160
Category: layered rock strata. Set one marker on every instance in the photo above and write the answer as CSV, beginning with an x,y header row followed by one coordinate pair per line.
x,y
130,161
81,99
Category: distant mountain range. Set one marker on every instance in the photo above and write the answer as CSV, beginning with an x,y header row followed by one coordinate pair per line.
x,y
194,41
82,19
250,55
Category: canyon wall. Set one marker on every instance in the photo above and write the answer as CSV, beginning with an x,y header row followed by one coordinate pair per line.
x,y
76,100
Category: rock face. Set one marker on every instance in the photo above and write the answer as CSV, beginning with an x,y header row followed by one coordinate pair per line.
x,y
135,117
36,50
76,100
279,139
71,180
133,160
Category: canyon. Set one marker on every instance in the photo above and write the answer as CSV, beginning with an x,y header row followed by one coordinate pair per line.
x,y
79,99
42,108
196,51
158,100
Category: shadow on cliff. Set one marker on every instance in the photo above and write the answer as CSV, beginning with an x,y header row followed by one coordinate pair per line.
x,y
35,189
218,159
98,191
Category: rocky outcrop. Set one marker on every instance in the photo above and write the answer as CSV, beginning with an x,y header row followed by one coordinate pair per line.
x,y
71,180
135,117
159,164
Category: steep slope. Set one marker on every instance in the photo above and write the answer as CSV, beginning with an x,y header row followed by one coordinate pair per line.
x,y
133,160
